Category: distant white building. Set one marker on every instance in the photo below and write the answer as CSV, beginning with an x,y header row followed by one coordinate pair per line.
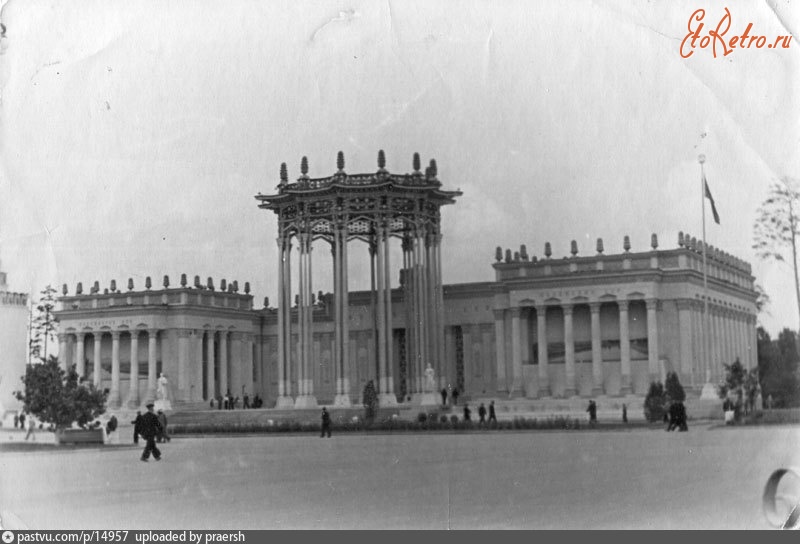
x,y
13,348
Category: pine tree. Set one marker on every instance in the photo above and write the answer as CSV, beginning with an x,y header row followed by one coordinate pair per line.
x,y
654,402
43,326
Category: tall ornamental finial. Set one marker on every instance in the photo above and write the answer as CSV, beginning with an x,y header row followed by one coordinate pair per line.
x,y
64,289
599,245
79,288
130,284
523,252
166,281
247,288
210,283
434,170
284,174
148,283
415,163
304,166
381,160
498,254
223,285
680,239
183,280
113,286
626,243
548,251
340,162
508,255
573,248
654,241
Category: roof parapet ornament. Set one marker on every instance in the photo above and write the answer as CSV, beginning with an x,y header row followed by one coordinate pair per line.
x,y
508,255
223,285
626,243
523,252
64,289
654,241
434,169
381,161
599,246
548,251
183,280
166,281
415,163
498,254
113,286
304,168
680,239
340,162
130,284
573,248
79,288
148,283
284,176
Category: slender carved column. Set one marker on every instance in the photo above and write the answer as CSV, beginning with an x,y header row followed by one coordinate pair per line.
x,y
345,318
652,340
309,336
516,351
113,396
210,382
624,348
569,352
152,345
281,241
500,350
419,301
133,387
337,315
685,338
439,330
301,320
80,355
98,342
380,272
597,350
391,398
541,346
223,362
62,351
288,366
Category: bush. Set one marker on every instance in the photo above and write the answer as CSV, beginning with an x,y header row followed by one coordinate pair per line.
x,y
370,402
443,419
673,388
454,419
654,403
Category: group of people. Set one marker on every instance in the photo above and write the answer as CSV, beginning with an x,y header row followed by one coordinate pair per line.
x,y
19,423
229,402
453,395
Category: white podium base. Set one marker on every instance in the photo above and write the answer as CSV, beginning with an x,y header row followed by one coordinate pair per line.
x,y
430,399
306,401
387,399
709,392
162,404
285,402
342,400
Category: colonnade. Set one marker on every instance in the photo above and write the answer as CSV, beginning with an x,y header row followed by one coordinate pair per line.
x,y
519,345
228,362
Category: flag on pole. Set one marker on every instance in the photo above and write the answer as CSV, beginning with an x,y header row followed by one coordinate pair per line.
x,y
711,199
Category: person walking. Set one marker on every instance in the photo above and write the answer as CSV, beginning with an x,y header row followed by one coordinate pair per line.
x,y
444,396
492,415
31,429
467,413
624,413
592,409
455,397
326,423
162,419
150,428
482,414
137,426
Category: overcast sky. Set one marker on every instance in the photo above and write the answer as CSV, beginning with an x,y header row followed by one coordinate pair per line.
x,y
135,134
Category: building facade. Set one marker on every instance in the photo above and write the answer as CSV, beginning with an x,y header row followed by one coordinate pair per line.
x,y
14,318
546,327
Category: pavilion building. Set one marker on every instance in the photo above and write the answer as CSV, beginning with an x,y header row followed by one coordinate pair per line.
x,y
577,326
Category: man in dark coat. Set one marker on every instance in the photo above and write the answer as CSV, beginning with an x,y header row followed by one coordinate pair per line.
x,y
455,397
162,419
492,415
592,409
444,396
137,427
482,414
326,423
149,429
467,413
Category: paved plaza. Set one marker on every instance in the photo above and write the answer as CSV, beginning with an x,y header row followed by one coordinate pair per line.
x,y
642,478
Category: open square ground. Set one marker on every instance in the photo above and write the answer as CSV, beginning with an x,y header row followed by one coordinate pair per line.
x,y
706,478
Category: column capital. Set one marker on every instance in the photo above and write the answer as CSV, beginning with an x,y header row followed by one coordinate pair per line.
x,y
499,314
651,303
79,336
135,333
594,307
623,305
516,312
183,333
568,308
541,309
115,335
684,303
62,337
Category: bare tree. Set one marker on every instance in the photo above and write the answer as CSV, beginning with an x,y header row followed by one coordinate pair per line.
x,y
777,224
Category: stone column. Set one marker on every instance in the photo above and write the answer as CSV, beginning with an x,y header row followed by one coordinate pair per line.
x,y
652,340
624,348
283,400
223,362
133,388
98,342
516,351
541,343
500,350
62,350
308,369
236,380
152,356
685,333
391,398
210,382
286,309
597,350
344,299
247,365
419,313
113,396
753,336
381,318
337,315
301,320
439,293
569,352
525,336
80,355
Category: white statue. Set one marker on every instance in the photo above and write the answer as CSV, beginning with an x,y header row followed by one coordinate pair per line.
x,y
430,382
162,387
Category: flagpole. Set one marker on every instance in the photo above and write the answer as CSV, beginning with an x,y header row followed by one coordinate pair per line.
x,y
706,321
